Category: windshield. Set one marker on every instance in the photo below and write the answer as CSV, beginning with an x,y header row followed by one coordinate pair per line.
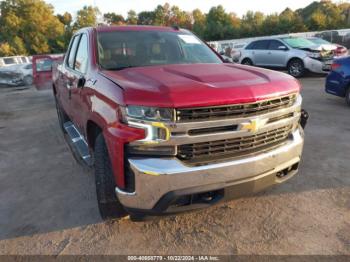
x,y
122,49
298,42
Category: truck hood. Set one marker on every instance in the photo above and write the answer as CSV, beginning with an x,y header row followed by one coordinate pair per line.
x,y
197,85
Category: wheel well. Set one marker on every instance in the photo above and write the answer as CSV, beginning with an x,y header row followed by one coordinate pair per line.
x,y
92,130
246,58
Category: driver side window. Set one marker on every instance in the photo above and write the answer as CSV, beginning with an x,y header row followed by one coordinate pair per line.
x,y
81,60
72,52
276,45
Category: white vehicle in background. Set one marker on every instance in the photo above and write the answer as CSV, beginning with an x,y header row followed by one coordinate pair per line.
x,y
337,49
14,60
296,54
18,74
231,51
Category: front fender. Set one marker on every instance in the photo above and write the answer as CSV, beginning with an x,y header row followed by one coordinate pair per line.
x,y
104,113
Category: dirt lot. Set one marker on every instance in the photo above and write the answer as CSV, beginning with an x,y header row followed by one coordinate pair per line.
x,y
48,201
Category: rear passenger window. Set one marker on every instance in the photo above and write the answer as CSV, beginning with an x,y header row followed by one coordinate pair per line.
x,y
261,45
72,51
81,60
250,46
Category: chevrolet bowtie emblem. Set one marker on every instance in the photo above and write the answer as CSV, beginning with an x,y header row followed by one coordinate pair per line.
x,y
254,125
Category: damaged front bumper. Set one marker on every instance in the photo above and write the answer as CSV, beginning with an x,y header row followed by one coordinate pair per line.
x,y
10,78
318,66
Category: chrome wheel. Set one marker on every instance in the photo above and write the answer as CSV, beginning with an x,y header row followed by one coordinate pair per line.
x,y
296,68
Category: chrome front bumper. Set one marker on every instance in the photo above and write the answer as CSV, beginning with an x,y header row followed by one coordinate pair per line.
x,y
156,177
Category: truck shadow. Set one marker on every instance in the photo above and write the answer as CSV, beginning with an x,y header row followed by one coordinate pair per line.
x,y
43,189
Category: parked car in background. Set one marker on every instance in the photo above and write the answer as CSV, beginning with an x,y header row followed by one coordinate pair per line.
x,y
13,60
338,80
231,51
10,78
337,49
19,74
42,69
332,36
296,54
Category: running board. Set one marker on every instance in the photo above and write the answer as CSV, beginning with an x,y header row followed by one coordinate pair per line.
x,y
78,141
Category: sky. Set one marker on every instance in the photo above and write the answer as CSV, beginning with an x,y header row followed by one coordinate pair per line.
x,y
239,7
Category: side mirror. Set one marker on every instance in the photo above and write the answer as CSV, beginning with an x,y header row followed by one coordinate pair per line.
x,y
81,82
222,53
226,60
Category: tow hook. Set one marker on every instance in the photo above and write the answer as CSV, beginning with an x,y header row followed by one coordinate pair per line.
x,y
304,118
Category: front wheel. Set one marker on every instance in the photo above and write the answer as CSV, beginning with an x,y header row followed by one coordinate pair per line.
x,y
108,203
296,68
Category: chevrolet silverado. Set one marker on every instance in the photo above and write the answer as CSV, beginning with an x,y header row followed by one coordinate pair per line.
x,y
168,126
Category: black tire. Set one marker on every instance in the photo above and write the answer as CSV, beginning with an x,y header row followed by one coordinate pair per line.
x,y
296,67
62,117
247,61
347,96
108,203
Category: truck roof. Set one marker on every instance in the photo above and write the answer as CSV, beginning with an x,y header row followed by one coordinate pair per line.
x,y
136,28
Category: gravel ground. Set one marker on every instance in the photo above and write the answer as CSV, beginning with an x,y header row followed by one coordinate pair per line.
x,y
48,201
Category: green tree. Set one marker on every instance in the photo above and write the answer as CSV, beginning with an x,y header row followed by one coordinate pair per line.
x,y
199,22
252,24
162,15
132,18
218,24
29,27
66,20
271,25
291,22
317,21
114,19
180,18
146,18
86,17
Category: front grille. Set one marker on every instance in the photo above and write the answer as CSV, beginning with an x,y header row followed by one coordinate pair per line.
x,y
234,111
234,147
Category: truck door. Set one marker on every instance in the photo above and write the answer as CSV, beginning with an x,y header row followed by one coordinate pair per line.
x,y
42,72
75,69
78,81
68,79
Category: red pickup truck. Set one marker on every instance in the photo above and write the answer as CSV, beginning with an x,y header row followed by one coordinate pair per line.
x,y
168,126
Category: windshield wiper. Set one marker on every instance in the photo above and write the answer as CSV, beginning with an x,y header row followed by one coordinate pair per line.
x,y
123,67
118,67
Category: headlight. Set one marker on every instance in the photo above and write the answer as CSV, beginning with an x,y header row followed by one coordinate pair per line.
x,y
314,55
151,119
149,113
